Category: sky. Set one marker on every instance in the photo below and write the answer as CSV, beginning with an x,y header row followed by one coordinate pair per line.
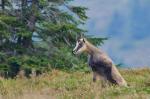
x,y
127,25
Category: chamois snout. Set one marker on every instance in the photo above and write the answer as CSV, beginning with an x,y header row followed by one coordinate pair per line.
x,y
80,46
73,51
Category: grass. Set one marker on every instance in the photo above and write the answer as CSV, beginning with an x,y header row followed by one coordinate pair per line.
x,y
76,85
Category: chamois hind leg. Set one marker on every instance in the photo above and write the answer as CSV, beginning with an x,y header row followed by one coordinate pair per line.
x,y
103,80
94,76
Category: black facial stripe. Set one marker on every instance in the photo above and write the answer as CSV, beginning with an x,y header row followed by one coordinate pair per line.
x,y
79,46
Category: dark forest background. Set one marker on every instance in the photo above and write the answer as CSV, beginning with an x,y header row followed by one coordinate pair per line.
x,y
39,35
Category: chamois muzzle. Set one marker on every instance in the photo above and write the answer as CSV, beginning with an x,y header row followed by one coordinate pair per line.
x,y
74,51
79,46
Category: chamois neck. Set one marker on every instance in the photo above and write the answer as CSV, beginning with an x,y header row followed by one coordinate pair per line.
x,y
91,49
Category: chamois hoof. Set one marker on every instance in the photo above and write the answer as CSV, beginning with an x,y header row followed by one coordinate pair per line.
x,y
94,79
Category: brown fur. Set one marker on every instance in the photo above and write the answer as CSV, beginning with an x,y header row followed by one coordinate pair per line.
x,y
102,65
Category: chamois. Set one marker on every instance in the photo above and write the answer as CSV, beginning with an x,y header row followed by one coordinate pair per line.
x,y
99,62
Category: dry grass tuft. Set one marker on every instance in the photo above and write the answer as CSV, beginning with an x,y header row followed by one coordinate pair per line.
x,y
76,85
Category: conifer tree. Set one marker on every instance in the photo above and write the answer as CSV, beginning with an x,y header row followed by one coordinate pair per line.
x,y
40,34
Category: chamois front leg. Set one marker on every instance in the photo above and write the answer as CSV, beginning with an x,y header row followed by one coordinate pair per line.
x,y
94,76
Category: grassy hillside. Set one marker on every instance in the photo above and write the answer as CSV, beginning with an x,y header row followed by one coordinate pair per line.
x,y
76,85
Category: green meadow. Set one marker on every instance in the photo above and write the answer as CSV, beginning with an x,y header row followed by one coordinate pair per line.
x,y
38,36
76,85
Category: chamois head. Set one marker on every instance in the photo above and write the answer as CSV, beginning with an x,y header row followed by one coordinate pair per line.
x,y
80,46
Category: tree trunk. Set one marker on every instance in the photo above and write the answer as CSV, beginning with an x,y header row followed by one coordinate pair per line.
x,y
27,41
23,5
3,4
32,18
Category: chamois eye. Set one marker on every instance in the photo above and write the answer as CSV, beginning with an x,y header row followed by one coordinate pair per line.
x,y
80,44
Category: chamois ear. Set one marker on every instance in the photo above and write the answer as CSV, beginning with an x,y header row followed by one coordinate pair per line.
x,y
76,37
81,35
83,40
